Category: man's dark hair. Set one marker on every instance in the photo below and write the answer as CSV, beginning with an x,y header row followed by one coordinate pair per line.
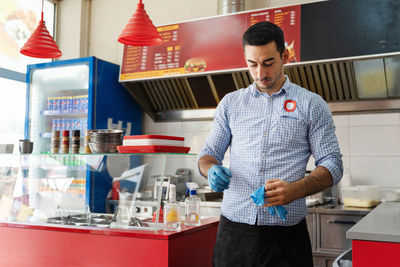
x,y
263,33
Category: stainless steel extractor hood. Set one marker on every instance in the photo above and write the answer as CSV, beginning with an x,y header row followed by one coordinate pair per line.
x,y
355,84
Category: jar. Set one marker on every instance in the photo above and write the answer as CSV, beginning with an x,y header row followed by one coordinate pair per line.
x,y
76,141
65,142
55,142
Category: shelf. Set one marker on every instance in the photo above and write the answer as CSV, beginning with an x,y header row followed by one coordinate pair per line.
x,y
63,168
66,113
48,135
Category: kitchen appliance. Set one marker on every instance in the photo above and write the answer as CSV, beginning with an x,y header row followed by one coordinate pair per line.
x,y
329,195
78,94
181,177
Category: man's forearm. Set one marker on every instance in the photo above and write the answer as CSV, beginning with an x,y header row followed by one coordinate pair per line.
x,y
319,179
205,163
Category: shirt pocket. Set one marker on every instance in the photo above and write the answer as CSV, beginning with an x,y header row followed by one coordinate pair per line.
x,y
291,129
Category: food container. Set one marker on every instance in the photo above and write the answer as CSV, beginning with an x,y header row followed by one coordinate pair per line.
x,y
390,194
98,147
105,141
364,196
153,144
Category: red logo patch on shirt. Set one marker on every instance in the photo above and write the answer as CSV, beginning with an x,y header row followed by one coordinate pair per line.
x,y
290,105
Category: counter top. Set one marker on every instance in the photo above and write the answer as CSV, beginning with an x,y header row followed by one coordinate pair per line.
x,y
381,224
338,209
152,234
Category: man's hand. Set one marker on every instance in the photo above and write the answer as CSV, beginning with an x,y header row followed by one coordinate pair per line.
x,y
279,192
219,178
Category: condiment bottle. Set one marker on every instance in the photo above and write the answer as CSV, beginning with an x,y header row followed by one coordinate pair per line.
x,y
192,209
76,141
55,142
86,142
171,211
65,141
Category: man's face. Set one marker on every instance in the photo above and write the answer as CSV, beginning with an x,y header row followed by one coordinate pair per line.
x,y
266,66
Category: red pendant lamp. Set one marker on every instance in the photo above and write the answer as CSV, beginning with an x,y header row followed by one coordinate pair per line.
x,y
41,44
140,30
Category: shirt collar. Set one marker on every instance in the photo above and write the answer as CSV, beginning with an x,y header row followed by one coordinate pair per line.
x,y
284,89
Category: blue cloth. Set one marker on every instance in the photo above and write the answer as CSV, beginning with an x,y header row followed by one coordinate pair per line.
x,y
219,178
258,197
268,142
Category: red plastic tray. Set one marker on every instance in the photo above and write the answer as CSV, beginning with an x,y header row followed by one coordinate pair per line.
x,y
153,149
153,136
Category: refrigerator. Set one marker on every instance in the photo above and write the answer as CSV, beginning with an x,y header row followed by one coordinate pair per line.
x,y
78,94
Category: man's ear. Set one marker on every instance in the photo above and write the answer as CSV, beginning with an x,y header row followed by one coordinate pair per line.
x,y
285,56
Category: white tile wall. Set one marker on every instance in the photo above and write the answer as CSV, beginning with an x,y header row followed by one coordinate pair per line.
x,y
171,128
370,144
375,119
341,120
342,134
105,50
382,171
375,140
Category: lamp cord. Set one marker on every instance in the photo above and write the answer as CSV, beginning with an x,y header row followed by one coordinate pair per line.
x,y
42,10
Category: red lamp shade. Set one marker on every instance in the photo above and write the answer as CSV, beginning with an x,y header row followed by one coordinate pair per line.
x,y
41,44
140,30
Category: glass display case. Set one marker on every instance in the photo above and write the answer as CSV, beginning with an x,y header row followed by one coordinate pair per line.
x,y
67,189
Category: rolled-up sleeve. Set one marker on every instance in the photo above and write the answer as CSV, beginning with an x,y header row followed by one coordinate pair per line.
x,y
219,139
323,141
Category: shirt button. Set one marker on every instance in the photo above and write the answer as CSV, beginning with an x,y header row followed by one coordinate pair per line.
x,y
265,134
261,172
263,154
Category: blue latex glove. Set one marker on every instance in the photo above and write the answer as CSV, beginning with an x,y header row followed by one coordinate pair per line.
x,y
258,198
219,178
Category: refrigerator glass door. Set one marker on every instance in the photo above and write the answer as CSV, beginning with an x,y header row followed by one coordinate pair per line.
x,y
58,101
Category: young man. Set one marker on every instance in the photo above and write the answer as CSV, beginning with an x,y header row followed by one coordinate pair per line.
x,y
272,128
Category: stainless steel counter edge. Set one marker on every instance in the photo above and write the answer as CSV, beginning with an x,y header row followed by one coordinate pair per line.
x,y
381,224
338,209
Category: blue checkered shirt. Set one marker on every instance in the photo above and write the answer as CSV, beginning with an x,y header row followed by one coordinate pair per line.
x,y
267,142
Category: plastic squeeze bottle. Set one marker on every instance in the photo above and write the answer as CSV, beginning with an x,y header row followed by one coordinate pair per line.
x,y
171,211
192,209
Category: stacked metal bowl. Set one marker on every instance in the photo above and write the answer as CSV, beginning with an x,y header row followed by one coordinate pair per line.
x,y
105,141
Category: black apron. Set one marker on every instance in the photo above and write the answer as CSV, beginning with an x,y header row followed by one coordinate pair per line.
x,y
240,244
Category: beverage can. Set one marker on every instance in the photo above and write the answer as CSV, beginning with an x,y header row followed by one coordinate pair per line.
x,y
64,103
55,103
68,124
53,124
73,124
63,124
85,103
49,103
70,103
58,125
75,103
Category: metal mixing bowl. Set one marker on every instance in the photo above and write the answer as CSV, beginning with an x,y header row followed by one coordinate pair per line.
x,y
104,147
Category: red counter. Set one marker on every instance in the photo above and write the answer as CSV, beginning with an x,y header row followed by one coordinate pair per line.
x,y
372,254
32,245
